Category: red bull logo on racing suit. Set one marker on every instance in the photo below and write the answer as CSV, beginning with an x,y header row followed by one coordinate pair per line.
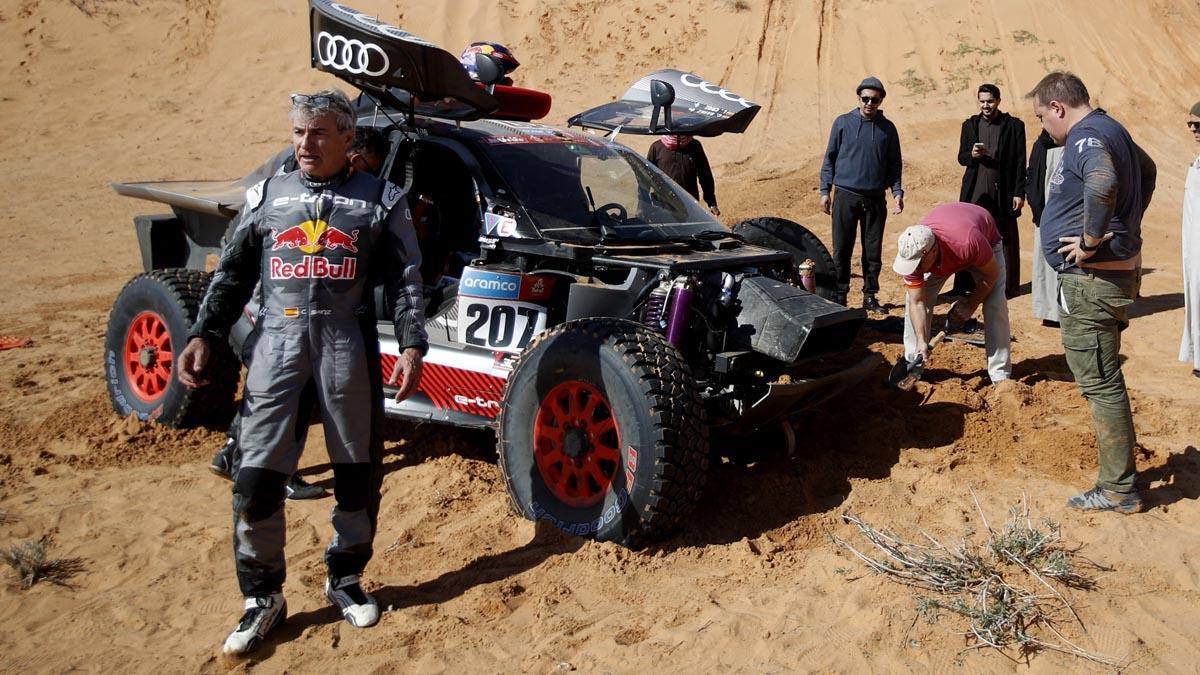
x,y
314,267
312,237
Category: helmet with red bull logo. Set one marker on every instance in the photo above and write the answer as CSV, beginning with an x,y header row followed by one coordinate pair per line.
x,y
494,49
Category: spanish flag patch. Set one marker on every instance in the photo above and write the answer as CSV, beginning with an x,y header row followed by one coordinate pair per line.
x,y
291,312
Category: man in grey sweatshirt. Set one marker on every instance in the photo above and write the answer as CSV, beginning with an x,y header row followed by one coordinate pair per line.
x,y
862,161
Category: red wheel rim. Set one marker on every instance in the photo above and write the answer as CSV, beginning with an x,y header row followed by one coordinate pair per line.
x,y
148,357
577,443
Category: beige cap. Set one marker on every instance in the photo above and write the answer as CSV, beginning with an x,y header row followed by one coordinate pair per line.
x,y
915,241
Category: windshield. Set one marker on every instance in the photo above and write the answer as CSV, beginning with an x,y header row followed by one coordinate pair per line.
x,y
582,190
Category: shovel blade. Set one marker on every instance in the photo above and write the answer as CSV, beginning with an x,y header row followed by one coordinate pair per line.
x,y
904,375
912,378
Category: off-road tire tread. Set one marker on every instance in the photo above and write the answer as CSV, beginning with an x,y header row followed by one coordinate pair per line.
x,y
212,403
681,448
789,231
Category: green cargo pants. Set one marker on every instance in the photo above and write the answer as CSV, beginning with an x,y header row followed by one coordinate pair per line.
x,y
1094,314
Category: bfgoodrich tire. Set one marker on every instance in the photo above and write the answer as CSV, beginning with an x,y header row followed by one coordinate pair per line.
x,y
147,328
785,235
602,433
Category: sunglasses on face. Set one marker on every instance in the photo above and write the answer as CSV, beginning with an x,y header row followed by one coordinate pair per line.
x,y
1194,126
871,100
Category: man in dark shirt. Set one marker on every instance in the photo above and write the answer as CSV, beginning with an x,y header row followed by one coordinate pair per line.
x,y
682,158
862,160
992,148
1092,235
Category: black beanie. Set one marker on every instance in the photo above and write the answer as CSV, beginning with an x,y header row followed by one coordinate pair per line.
x,y
871,82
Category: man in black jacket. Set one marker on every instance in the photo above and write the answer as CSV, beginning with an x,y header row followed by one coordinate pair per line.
x,y
992,148
682,158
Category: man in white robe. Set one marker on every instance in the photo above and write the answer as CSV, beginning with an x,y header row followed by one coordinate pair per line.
x,y
1189,348
1043,160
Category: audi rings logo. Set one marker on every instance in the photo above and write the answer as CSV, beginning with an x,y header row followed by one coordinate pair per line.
x,y
352,56
709,88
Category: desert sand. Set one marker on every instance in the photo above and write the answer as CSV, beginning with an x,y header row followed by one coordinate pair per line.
x,y
96,91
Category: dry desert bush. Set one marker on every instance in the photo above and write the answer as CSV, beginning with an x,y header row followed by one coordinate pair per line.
x,y
32,563
1009,588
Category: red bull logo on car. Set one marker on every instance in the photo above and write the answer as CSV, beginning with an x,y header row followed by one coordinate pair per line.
x,y
314,236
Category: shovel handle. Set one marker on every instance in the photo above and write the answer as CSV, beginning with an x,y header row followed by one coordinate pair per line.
x,y
937,338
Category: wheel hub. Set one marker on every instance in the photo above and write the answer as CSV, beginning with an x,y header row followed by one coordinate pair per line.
x,y
148,357
576,443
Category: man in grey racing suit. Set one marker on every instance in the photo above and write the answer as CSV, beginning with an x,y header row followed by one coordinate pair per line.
x,y
318,239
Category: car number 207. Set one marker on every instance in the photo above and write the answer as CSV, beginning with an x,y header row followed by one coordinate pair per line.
x,y
501,325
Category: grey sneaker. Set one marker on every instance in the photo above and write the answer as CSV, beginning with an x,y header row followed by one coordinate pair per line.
x,y
222,462
1099,499
359,608
298,488
262,615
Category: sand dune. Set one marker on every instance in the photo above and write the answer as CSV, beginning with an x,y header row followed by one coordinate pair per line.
x,y
111,90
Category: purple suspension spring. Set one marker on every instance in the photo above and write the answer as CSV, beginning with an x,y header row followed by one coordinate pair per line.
x,y
652,312
681,305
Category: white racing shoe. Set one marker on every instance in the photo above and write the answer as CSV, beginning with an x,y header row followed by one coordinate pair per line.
x,y
359,608
261,616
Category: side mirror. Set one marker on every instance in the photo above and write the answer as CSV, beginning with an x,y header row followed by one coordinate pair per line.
x,y
662,95
489,70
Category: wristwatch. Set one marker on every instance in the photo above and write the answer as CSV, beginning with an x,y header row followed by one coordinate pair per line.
x,y
1088,249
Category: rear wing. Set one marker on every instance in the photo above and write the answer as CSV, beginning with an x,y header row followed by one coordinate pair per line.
x,y
218,198
397,68
222,198
672,102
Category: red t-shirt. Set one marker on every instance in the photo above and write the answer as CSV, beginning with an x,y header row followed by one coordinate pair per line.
x,y
965,234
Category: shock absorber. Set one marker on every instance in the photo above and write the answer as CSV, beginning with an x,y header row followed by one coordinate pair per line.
x,y
653,312
681,305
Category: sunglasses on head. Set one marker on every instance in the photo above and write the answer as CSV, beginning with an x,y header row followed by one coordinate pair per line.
x,y
312,99
1194,126
876,100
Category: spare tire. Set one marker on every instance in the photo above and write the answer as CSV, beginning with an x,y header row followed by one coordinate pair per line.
x,y
784,235
147,328
602,432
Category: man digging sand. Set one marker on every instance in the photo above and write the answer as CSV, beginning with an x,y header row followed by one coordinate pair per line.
x,y
955,237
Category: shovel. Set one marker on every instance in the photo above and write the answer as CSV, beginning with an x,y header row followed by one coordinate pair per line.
x,y
904,376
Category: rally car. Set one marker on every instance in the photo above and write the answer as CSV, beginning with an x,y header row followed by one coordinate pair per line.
x,y
579,302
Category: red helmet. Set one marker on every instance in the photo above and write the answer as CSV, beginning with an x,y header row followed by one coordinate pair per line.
x,y
493,49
